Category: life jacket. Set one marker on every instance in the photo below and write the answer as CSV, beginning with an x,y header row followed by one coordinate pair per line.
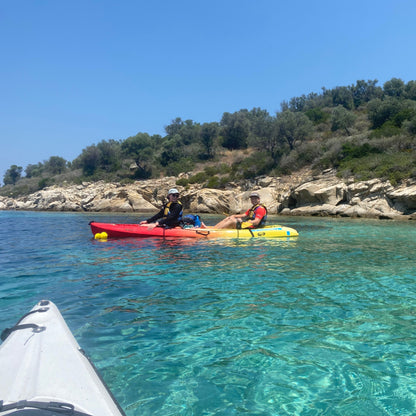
x,y
167,210
252,215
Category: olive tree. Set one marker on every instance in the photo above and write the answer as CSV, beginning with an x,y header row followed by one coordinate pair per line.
x,y
291,127
209,134
235,129
32,171
394,88
140,148
342,119
12,175
55,165
110,159
264,134
364,91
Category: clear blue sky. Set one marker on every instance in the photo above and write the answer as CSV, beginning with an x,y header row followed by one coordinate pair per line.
x,y
76,72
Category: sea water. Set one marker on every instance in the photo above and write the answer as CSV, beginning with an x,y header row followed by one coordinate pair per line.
x,y
322,324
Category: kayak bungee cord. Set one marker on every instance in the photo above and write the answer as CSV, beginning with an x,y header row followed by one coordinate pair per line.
x,y
36,328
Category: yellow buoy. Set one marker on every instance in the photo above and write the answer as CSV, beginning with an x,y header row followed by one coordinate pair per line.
x,y
101,236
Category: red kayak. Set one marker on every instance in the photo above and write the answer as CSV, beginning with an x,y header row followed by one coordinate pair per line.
x,y
102,230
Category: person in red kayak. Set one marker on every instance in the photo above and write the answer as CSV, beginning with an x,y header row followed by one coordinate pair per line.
x,y
255,217
170,215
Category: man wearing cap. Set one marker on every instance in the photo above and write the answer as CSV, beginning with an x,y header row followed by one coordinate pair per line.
x,y
170,214
255,217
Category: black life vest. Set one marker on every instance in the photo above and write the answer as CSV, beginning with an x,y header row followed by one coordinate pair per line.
x,y
166,211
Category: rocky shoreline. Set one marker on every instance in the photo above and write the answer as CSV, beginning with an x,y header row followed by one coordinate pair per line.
x,y
306,195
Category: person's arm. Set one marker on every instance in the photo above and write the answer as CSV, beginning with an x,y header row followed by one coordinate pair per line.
x,y
155,217
260,213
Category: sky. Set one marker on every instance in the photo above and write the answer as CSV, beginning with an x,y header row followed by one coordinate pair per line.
x,y
74,73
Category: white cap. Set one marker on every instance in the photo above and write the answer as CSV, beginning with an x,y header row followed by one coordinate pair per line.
x,y
173,191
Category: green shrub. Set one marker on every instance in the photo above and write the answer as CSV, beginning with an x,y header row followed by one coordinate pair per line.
x,y
211,170
182,165
45,182
213,182
200,177
353,151
217,169
388,129
257,164
182,182
393,166
317,115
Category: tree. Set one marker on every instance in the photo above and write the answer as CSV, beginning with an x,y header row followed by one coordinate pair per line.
x,y
140,149
89,160
411,125
272,141
55,165
109,151
12,175
264,134
190,132
171,150
342,119
292,127
364,91
381,111
235,129
32,171
174,127
187,130
317,115
394,88
209,134
343,96
297,103
410,91
259,119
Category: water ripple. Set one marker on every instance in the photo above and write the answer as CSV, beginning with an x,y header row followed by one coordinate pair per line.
x,y
320,325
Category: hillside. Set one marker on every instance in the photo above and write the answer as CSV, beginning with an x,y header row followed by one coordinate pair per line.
x,y
361,131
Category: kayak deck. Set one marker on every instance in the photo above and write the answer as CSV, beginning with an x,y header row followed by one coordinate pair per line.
x,y
45,372
110,230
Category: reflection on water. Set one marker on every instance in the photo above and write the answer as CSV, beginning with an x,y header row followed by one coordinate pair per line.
x,y
320,324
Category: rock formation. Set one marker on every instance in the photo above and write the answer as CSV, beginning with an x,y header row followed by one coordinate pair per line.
x,y
323,195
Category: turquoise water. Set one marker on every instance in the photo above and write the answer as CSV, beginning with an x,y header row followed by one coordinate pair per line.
x,y
319,325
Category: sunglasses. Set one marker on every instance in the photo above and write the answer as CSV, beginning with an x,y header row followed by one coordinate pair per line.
x,y
177,195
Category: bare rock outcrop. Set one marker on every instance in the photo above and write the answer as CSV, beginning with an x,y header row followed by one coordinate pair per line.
x,y
328,195
300,194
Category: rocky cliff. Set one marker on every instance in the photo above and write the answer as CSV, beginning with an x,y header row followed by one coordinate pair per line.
x,y
322,195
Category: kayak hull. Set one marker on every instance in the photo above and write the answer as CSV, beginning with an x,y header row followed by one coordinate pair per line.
x,y
45,369
141,231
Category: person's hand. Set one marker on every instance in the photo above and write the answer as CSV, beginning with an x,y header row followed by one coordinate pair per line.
x,y
143,222
153,225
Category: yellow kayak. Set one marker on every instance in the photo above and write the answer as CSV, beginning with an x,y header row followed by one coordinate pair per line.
x,y
271,231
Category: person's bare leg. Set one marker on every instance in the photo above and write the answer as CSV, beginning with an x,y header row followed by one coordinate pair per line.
x,y
229,222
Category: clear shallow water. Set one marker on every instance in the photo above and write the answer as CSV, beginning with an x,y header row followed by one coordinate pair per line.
x,y
320,325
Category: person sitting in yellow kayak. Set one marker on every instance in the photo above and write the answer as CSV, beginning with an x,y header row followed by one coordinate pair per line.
x,y
170,215
255,217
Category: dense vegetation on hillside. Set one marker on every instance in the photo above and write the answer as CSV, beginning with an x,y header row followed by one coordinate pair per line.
x,y
362,130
